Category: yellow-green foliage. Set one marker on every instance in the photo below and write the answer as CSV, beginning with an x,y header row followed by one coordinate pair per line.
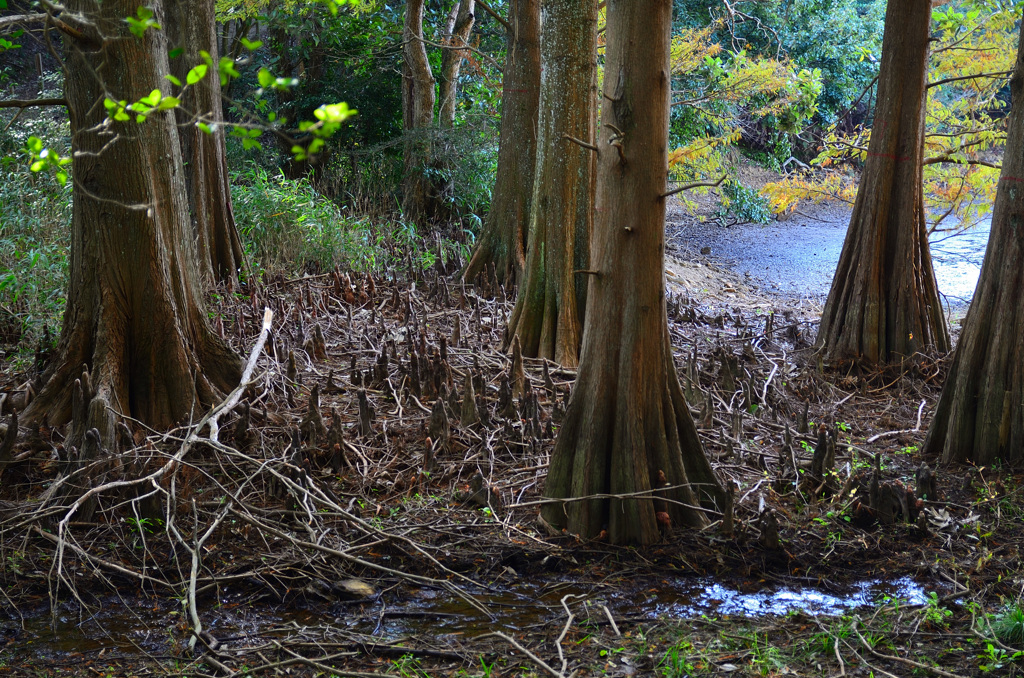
x,y
729,91
965,129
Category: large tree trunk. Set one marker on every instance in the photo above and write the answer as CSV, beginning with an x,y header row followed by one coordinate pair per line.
x,y
417,115
503,238
451,62
980,416
191,26
884,302
549,309
135,316
627,421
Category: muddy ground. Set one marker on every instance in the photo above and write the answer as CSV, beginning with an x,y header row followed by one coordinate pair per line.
x,y
367,541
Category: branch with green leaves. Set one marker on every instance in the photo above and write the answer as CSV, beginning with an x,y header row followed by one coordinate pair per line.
x,y
328,117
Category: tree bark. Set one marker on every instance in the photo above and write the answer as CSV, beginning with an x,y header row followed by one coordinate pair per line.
x,y
503,237
980,416
627,422
884,302
548,314
191,26
135,317
451,62
417,114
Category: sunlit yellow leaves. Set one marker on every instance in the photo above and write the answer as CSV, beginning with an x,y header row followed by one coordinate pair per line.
x,y
785,195
725,91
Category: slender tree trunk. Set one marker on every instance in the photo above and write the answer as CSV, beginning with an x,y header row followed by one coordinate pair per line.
x,y
627,422
503,237
548,314
417,114
980,416
191,26
135,316
884,302
451,62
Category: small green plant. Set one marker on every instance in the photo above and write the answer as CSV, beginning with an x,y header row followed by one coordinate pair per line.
x,y
935,613
766,659
139,524
743,204
486,670
1008,624
676,661
408,665
996,658
16,561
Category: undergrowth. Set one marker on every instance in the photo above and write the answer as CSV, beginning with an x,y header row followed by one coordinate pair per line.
x,y
35,216
286,226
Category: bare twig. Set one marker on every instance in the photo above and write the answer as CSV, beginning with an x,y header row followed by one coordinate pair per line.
x,y
28,103
8,21
695,184
537,660
916,429
580,142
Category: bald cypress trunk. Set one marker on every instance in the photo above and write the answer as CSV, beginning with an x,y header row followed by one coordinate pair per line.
x,y
980,416
548,314
418,99
884,302
191,26
627,428
135,317
503,238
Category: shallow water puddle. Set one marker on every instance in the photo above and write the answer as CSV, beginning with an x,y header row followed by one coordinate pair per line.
x,y
722,600
427,612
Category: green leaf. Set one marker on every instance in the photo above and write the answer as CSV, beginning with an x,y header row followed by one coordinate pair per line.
x,y
173,80
153,99
144,22
227,70
251,45
265,77
204,127
167,103
176,52
334,113
196,74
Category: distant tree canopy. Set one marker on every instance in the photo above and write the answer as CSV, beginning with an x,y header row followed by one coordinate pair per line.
x,y
840,38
